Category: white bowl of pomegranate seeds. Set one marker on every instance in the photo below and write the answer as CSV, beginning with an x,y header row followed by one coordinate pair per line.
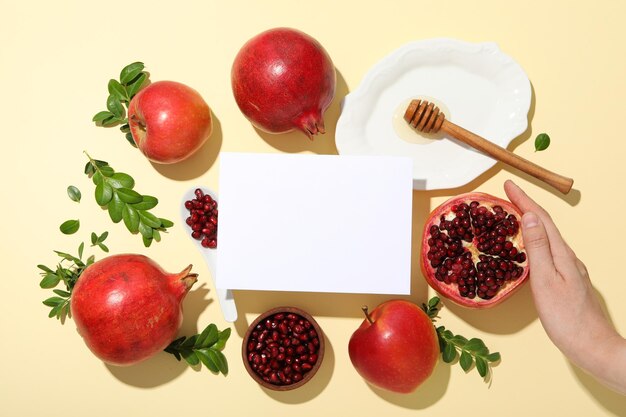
x,y
283,348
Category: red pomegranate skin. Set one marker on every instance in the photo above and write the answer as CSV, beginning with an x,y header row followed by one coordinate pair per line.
x,y
284,79
127,308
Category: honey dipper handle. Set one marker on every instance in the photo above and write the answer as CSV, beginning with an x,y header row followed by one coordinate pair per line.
x,y
561,183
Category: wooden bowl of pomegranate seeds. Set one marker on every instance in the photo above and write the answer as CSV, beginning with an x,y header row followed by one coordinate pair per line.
x,y
283,348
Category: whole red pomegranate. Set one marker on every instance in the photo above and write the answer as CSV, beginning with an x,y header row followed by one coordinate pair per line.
x,y
127,308
472,250
283,79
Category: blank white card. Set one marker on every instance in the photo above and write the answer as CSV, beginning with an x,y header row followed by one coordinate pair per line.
x,y
320,223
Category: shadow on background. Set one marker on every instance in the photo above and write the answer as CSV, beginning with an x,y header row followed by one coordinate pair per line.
x,y
198,163
296,141
606,398
426,395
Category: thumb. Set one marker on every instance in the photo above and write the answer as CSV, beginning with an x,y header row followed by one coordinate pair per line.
x,y
537,245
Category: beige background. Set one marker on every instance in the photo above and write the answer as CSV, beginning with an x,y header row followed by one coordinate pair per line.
x,y
55,61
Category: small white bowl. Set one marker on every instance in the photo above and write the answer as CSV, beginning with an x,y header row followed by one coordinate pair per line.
x,y
476,85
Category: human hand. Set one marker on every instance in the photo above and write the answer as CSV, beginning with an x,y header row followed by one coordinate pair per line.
x,y
567,305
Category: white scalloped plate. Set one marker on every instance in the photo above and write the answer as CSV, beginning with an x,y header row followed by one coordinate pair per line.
x,y
478,86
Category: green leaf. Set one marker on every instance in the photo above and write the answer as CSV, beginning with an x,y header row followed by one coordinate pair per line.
x,y
81,247
466,360
103,115
156,235
219,359
115,208
117,90
136,85
97,178
73,193
148,202
62,293
104,193
56,310
103,247
542,141
111,121
208,337
89,169
129,196
432,303
207,360
69,257
190,356
125,128
94,238
44,268
149,219
493,357
222,338
166,223
129,138
69,227
146,241
475,345
130,71
53,301
107,171
90,260
50,280
459,340
121,180
103,237
449,353
115,106
189,342
131,218
481,366
145,230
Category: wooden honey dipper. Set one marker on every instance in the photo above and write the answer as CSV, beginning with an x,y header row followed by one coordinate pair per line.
x,y
426,117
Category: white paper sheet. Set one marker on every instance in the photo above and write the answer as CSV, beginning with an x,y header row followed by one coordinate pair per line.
x,y
320,223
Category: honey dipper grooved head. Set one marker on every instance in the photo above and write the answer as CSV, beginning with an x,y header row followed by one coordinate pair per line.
x,y
424,116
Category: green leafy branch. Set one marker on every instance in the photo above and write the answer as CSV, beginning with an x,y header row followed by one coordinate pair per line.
x,y
98,241
205,348
114,191
66,272
132,79
472,351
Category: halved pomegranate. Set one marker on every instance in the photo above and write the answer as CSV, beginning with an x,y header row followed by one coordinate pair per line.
x,y
472,250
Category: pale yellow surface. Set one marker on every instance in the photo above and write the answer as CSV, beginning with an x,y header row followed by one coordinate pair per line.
x,y
55,61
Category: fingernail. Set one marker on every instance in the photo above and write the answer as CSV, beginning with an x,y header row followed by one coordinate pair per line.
x,y
530,220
